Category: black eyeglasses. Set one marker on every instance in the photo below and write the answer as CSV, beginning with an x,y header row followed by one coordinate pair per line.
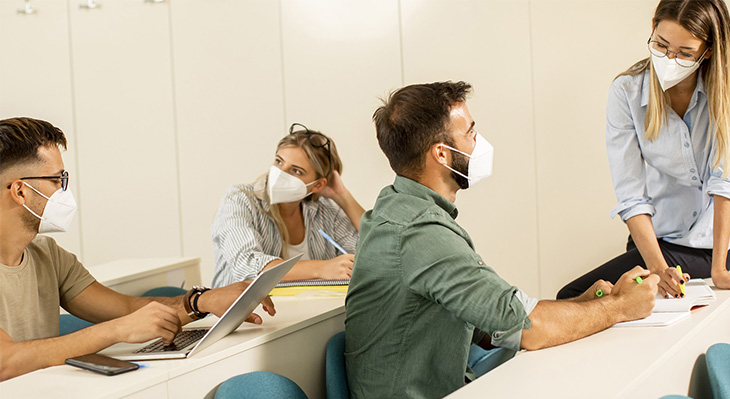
x,y
63,177
317,140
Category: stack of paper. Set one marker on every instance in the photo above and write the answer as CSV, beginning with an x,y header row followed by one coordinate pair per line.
x,y
669,311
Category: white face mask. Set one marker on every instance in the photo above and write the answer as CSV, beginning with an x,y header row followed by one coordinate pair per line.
x,y
284,187
480,161
58,213
669,72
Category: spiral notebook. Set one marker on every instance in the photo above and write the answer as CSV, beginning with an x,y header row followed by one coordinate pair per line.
x,y
312,282
312,287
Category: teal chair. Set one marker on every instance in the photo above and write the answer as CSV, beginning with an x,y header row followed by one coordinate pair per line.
x,y
69,323
259,385
483,361
335,374
718,369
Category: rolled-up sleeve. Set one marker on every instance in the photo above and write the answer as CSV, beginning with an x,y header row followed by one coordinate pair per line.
x,y
451,274
624,157
237,242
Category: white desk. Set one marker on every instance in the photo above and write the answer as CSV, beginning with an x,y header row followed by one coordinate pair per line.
x,y
136,276
292,344
646,362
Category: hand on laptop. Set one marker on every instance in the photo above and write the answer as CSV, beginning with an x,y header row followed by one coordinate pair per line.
x,y
150,321
218,300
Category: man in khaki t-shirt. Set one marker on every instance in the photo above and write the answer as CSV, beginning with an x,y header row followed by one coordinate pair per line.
x,y
47,269
37,276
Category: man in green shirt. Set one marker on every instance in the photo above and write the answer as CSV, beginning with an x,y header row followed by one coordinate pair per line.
x,y
420,294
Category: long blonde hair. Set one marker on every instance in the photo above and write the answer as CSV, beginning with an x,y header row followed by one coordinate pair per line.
x,y
708,21
318,157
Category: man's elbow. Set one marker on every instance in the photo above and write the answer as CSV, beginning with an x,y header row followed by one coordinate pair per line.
x,y
534,338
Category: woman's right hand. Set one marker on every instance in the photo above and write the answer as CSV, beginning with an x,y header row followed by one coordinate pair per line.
x,y
669,282
338,268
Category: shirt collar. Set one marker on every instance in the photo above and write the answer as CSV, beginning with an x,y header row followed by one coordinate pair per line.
x,y
645,87
410,187
310,209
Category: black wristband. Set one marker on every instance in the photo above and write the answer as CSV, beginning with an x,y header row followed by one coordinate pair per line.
x,y
197,291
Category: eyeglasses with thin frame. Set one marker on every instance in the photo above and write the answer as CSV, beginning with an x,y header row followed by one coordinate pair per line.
x,y
317,140
63,177
682,58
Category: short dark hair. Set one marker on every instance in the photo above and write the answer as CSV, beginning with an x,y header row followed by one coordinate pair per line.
x,y
413,119
20,139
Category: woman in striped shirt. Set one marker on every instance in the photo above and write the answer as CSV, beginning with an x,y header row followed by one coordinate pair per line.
x,y
279,215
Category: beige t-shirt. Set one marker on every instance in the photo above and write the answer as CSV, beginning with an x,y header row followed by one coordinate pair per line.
x,y
31,293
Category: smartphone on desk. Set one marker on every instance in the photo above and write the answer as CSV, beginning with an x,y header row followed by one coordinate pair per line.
x,y
102,364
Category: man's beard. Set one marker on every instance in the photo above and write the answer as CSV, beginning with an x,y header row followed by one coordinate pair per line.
x,y
460,163
30,221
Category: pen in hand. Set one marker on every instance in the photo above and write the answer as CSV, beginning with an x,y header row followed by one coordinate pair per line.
x,y
681,282
331,241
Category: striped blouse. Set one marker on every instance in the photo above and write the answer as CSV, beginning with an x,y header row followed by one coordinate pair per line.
x,y
246,239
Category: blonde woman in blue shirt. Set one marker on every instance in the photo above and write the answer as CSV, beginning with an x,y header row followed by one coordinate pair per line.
x,y
667,138
280,215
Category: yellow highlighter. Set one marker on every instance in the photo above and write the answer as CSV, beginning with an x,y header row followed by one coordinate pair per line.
x,y
681,285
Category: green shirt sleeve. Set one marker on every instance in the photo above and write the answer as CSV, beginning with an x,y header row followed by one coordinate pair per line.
x,y
443,268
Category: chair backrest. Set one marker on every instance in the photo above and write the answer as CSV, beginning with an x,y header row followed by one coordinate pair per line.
x,y
259,385
336,376
165,291
718,369
69,323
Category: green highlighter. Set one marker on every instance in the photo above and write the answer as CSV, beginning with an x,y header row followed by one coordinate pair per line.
x,y
599,293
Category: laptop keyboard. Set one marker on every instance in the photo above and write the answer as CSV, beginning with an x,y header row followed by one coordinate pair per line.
x,y
181,341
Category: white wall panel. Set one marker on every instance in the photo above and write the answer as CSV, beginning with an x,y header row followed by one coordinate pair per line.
x,y
229,99
35,81
126,141
578,48
466,40
340,57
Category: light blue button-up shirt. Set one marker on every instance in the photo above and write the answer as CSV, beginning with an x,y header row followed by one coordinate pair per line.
x,y
671,179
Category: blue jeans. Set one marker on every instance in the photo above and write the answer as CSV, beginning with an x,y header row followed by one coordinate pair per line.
x,y
482,361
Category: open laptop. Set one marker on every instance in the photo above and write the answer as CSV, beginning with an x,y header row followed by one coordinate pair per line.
x,y
193,340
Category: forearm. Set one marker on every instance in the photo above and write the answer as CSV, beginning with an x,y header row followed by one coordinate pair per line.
x,y
17,358
642,231
302,270
720,233
557,322
351,207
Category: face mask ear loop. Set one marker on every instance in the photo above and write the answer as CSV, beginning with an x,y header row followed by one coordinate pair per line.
x,y
34,214
39,193
452,169
454,149
36,190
